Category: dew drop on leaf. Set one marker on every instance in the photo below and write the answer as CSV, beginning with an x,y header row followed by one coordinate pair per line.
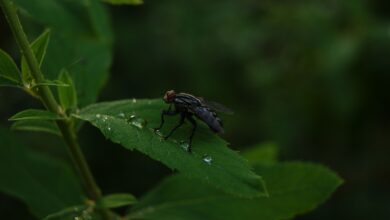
x,y
137,121
121,115
207,159
134,100
98,115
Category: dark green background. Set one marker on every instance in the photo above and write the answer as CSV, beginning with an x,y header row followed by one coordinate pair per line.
x,y
310,76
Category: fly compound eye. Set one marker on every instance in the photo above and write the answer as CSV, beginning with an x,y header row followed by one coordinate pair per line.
x,y
169,96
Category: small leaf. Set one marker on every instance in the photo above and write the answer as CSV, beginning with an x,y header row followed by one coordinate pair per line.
x,y
67,95
36,125
262,153
9,72
131,122
124,2
35,114
9,83
44,183
81,40
117,200
294,188
38,46
56,83
81,212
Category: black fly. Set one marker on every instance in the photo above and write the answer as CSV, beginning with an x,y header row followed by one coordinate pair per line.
x,y
188,106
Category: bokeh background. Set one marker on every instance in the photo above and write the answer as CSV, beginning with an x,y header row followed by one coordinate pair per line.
x,y
311,77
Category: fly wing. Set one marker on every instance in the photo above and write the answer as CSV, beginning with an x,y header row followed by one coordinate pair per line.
x,y
209,117
217,107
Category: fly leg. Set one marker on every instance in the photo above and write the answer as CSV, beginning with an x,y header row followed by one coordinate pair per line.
x,y
194,125
168,112
181,122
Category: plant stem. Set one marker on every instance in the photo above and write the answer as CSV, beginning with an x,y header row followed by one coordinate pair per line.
x,y
47,98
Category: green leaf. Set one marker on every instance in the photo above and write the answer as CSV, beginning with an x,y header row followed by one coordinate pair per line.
x,y
81,41
38,46
9,72
67,95
36,125
45,184
81,212
9,83
294,188
56,83
262,153
35,114
131,122
122,2
117,200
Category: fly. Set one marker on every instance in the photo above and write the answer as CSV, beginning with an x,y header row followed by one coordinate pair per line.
x,y
188,106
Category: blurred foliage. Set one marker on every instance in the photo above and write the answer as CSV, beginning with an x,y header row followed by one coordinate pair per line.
x,y
310,76
36,179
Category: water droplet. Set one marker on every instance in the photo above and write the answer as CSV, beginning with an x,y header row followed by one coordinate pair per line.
x,y
105,118
137,121
109,128
121,115
184,145
207,159
134,100
98,115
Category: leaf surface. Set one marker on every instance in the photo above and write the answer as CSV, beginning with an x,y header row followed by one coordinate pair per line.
x,y
80,212
131,122
294,188
35,114
67,95
9,72
117,200
36,125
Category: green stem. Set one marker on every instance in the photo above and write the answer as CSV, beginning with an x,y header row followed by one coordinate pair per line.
x,y
47,97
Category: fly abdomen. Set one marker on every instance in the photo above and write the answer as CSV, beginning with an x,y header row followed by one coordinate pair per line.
x,y
210,118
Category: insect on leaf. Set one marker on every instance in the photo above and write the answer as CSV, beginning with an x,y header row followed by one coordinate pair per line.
x,y
131,122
